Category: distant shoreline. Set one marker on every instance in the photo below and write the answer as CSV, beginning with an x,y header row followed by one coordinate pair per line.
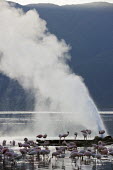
x,y
49,112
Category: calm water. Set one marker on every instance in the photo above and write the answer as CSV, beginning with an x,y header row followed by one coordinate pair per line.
x,y
9,124
108,121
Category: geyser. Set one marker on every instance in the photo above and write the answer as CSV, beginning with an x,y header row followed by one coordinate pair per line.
x,y
37,59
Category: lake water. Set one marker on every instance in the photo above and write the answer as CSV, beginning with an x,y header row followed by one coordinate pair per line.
x,y
10,123
108,121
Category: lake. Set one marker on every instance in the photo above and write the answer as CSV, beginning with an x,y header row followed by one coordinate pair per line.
x,y
12,124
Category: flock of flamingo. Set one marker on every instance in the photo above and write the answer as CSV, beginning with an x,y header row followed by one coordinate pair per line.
x,y
85,133
30,148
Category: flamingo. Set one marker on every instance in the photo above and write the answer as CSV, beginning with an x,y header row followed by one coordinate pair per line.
x,y
10,155
4,150
64,143
56,154
88,154
98,156
100,142
76,134
32,151
13,142
25,140
101,132
24,145
19,144
85,135
83,131
73,155
39,136
60,136
31,143
1,147
111,153
88,132
23,151
4,143
61,148
44,152
45,136
61,155
104,151
71,147
64,135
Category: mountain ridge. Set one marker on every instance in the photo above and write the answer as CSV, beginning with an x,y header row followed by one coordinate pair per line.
x,y
91,4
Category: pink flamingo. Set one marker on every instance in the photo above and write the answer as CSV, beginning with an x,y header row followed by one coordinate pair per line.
x,y
56,154
13,142
88,154
76,134
24,145
83,131
26,140
44,152
74,154
62,148
23,151
39,136
4,143
111,153
45,136
19,144
64,135
104,151
85,135
102,132
60,136
1,147
88,132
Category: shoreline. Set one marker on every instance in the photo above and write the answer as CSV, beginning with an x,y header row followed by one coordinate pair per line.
x,y
108,140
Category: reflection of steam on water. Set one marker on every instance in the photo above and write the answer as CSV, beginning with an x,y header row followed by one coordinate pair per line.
x,y
37,59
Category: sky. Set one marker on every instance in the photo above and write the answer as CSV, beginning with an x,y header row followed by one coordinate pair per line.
x,y
59,2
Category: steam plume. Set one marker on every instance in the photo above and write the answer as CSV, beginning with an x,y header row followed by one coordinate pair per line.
x,y
37,59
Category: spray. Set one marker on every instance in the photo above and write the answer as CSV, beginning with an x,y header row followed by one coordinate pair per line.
x,y
32,55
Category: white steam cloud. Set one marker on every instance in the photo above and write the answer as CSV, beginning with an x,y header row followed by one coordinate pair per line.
x,y
37,59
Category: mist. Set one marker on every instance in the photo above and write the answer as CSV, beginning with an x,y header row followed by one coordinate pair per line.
x,y
32,55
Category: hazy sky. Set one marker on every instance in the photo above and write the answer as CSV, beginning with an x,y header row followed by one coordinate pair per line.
x,y
59,2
